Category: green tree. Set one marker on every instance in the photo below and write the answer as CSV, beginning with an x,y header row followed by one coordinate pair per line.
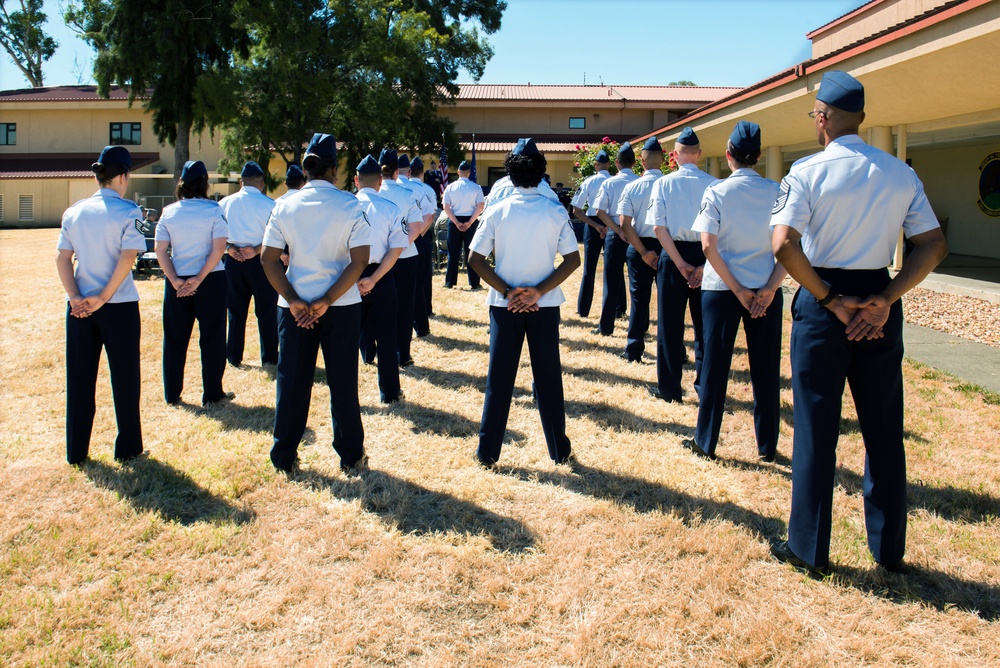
x,y
167,53
373,72
682,82
24,39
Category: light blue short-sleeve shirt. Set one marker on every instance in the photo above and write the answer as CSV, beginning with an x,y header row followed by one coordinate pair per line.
x,y
586,195
191,226
634,202
849,203
525,231
246,211
386,222
676,200
737,210
609,193
97,230
320,224
409,203
463,196
504,188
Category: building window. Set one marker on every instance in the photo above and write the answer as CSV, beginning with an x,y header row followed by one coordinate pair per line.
x,y
8,134
126,134
577,123
25,208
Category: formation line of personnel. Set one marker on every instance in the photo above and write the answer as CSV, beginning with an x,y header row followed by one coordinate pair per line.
x,y
345,271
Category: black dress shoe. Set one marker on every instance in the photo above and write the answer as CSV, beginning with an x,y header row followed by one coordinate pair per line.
x,y
226,396
783,553
356,468
421,335
628,359
689,444
404,364
599,332
656,394
898,567
449,285
476,288
766,459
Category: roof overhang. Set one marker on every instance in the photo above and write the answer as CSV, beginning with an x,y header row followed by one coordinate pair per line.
x,y
59,165
935,67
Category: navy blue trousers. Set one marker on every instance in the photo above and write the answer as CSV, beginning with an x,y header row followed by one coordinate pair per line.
x,y
208,307
459,242
593,244
115,328
246,280
378,323
721,314
822,360
673,296
422,292
507,333
641,278
405,275
337,334
615,301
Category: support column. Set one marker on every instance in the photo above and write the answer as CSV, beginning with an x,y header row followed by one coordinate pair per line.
x,y
774,163
897,256
714,167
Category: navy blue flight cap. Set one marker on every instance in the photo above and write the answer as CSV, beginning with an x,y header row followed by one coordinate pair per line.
x,y
745,138
387,158
465,166
602,156
416,163
294,172
369,165
525,146
841,90
115,155
688,138
626,151
652,144
193,169
322,146
404,161
251,169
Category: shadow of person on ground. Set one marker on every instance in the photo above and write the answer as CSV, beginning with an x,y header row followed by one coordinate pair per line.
x,y
645,496
149,485
449,379
912,583
619,419
420,511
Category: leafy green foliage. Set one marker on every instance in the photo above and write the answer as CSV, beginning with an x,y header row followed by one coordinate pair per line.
x,y
23,38
372,72
586,155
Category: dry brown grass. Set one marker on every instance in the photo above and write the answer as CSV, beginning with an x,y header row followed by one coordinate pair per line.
x,y
645,555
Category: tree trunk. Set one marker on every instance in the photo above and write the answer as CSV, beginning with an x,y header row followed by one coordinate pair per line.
x,y
182,147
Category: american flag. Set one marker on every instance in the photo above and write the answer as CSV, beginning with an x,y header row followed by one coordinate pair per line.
x,y
443,167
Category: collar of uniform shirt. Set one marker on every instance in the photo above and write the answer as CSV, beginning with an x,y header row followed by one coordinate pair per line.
x,y
688,165
370,191
745,171
846,139
108,192
320,183
652,172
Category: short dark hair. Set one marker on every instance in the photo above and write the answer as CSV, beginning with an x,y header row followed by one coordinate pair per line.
x,y
105,174
745,159
197,188
316,167
525,171
627,160
387,171
295,182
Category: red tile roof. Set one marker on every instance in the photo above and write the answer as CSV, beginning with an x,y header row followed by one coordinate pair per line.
x,y
59,165
61,94
843,17
506,146
551,93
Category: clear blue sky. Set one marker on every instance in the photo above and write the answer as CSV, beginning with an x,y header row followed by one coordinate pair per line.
x,y
650,42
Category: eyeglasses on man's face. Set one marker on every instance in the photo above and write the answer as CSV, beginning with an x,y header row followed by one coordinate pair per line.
x,y
813,114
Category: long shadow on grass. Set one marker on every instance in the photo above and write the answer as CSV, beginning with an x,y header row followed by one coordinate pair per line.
x,y
645,496
416,510
941,590
464,322
950,503
450,379
618,419
444,422
150,485
847,425
448,343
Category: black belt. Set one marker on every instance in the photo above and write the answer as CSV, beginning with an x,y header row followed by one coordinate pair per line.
x,y
855,282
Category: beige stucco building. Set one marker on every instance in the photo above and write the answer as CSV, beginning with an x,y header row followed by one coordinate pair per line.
x,y
932,98
50,136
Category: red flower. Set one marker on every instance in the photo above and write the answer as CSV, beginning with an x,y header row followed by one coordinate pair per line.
x,y
606,140
576,164
577,147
